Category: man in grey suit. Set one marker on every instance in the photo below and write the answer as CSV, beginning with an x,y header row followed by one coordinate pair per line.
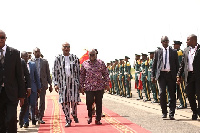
x,y
45,79
190,65
165,68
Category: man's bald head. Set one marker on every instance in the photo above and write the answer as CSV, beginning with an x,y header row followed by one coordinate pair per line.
x,y
165,41
25,56
36,52
194,37
2,39
192,40
2,32
92,54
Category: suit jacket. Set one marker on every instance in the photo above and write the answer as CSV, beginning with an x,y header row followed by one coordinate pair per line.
x,y
45,77
13,82
35,81
25,75
68,86
158,63
196,64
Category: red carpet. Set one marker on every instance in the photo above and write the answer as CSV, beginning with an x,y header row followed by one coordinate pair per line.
x,y
112,123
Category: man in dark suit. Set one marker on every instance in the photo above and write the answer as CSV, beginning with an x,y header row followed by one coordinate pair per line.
x,y
190,65
12,86
26,78
165,68
35,88
42,66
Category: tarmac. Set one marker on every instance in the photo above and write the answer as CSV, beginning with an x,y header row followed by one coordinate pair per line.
x,y
144,114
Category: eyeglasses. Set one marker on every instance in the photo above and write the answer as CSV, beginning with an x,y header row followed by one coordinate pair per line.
x,y
2,37
165,41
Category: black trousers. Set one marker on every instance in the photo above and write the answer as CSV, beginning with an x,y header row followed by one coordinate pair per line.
x,y
8,114
90,96
192,89
165,80
23,110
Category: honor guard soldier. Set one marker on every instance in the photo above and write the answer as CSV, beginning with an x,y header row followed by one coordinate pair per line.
x,y
109,70
144,68
153,86
181,87
112,77
121,78
137,65
116,78
128,77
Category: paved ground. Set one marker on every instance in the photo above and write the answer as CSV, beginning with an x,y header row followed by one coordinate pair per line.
x,y
145,114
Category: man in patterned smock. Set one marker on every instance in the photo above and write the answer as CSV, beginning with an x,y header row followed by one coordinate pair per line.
x,y
66,81
94,78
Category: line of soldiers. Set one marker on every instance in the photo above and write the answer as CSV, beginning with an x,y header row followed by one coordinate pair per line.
x,y
120,76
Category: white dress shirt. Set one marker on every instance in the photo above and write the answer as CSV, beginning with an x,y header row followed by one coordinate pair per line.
x,y
67,65
191,57
4,50
168,64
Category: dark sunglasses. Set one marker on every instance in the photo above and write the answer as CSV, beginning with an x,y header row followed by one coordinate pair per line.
x,y
92,54
2,37
165,41
66,46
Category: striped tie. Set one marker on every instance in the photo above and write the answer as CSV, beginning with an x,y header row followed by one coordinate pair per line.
x,y
1,56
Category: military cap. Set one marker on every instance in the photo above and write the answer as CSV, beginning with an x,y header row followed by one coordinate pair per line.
x,y
121,59
151,52
127,57
144,54
177,42
116,59
137,55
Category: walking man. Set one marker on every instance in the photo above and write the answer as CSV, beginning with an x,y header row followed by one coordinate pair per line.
x,y
45,79
190,65
66,81
12,88
165,68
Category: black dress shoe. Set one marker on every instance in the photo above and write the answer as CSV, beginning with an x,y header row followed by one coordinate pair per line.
x,y
155,101
75,119
41,122
89,120
194,117
68,125
21,123
171,117
34,122
98,122
164,115
26,125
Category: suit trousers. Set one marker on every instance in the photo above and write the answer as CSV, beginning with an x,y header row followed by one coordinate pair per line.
x,y
8,114
32,103
165,80
90,96
192,89
42,103
23,110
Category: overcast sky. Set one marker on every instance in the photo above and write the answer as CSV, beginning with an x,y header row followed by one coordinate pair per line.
x,y
115,27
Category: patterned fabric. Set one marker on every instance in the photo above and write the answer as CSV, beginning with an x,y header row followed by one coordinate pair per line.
x,y
68,85
66,110
94,76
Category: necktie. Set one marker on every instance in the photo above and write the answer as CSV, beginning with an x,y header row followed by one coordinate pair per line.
x,y
1,57
165,59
